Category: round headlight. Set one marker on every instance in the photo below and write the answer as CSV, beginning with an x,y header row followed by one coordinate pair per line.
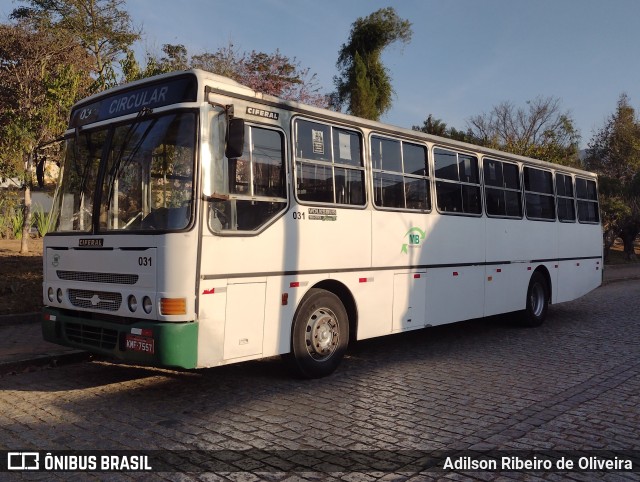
x,y
133,303
146,304
59,295
50,294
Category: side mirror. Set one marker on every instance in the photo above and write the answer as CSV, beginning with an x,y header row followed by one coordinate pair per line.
x,y
235,138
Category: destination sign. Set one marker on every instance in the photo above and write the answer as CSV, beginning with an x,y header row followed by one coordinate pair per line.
x,y
159,94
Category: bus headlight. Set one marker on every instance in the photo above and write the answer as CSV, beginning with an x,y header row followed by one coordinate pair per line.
x,y
132,302
50,294
146,305
59,295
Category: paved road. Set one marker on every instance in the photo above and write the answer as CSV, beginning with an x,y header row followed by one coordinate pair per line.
x,y
572,384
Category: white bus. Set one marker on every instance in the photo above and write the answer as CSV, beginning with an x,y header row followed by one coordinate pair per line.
x,y
199,223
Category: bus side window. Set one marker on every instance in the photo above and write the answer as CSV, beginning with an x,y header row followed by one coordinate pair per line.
x,y
256,182
457,182
400,174
587,195
539,197
328,164
565,198
502,189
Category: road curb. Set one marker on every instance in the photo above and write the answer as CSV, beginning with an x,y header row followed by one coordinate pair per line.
x,y
19,319
46,360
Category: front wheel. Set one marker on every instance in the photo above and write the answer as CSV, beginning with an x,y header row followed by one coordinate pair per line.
x,y
537,301
320,334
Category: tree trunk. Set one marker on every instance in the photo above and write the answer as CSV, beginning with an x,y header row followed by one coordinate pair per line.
x,y
26,226
609,237
628,238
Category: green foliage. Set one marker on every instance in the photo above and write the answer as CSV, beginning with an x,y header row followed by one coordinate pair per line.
x,y
437,127
17,222
274,74
614,153
9,204
102,27
539,130
4,218
364,85
41,220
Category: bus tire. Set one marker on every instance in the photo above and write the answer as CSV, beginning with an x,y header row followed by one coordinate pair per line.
x,y
537,301
320,334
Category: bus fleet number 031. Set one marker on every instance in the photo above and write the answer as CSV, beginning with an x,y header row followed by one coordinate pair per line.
x,y
144,261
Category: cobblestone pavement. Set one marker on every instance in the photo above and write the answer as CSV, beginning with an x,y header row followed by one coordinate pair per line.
x,y
572,384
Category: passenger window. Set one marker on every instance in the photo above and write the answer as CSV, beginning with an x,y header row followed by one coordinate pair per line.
x,y
539,197
400,174
329,167
587,195
457,182
502,189
251,189
565,198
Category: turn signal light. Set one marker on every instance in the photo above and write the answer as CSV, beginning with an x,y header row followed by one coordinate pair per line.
x,y
173,306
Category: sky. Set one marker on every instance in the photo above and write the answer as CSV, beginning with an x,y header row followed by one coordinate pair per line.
x,y
465,57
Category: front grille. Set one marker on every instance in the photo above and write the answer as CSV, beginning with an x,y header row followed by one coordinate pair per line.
x,y
101,300
88,277
91,335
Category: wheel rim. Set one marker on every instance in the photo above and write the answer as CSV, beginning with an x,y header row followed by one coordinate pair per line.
x,y
536,300
322,334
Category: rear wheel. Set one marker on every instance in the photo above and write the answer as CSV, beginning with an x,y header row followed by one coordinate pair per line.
x,y
537,301
320,334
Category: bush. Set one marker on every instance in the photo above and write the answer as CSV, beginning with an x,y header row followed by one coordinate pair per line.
x,y
41,220
17,221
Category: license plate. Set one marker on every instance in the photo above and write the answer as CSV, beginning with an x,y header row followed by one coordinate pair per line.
x,y
140,343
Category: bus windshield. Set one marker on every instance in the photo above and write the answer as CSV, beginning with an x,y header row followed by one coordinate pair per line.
x,y
145,176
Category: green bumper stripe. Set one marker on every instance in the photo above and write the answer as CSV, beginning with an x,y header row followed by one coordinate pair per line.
x,y
175,344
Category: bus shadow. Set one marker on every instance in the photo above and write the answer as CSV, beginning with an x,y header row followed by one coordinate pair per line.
x,y
421,344
151,405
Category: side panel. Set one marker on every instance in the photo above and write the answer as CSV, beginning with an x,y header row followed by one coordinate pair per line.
x,y
373,300
454,294
518,242
408,301
576,277
244,320
506,288
213,305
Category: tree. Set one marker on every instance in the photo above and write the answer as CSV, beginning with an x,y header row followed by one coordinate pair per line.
x,y
437,127
364,85
614,153
41,75
225,61
102,27
278,75
273,74
175,58
541,130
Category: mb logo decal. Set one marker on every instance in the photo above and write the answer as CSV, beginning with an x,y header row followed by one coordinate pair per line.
x,y
415,237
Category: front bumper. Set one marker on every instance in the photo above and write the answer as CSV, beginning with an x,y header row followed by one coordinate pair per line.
x,y
174,344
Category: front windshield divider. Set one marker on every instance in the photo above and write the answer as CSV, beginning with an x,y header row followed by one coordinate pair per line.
x,y
102,172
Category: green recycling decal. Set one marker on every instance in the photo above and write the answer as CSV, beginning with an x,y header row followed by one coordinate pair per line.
x,y
416,236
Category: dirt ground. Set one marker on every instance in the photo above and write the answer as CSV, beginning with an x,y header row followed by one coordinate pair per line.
x,y
20,277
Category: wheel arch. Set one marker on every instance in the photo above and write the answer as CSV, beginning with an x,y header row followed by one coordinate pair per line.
x,y
542,269
347,299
